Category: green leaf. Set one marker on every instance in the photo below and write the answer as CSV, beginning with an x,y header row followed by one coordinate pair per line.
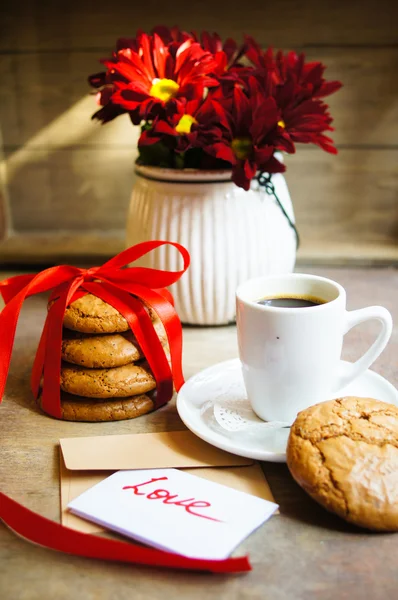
x,y
156,155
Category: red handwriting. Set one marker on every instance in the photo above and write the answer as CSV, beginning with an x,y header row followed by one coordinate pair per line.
x,y
167,498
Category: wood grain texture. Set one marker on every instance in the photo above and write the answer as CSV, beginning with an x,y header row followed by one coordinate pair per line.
x,y
94,248
351,196
4,206
71,189
44,25
75,201
46,101
55,88
3,219
329,252
297,554
66,181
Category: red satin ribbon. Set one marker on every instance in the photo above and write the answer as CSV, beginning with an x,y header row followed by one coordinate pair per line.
x,y
42,531
126,290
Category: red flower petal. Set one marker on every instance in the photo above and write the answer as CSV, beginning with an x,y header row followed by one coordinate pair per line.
x,y
97,80
223,152
147,140
327,88
130,67
239,176
250,169
162,127
160,55
262,156
274,166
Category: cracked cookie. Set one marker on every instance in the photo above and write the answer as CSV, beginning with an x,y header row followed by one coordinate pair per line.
x,y
75,408
90,314
105,350
119,382
344,454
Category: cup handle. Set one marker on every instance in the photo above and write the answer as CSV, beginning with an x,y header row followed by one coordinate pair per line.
x,y
355,317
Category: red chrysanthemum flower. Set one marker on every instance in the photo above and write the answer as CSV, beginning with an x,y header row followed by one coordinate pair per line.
x,y
253,136
155,75
104,83
297,88
307,122
200,105
226,54
283,68
109,111
193,119
172,35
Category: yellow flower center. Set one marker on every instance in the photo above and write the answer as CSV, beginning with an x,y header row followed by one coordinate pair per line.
x,y
242,147
164,89
185,123
282,124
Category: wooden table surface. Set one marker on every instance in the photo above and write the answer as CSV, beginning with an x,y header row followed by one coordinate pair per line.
x,y
302,553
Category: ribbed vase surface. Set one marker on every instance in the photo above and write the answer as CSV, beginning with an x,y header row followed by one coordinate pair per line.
x,y
231,235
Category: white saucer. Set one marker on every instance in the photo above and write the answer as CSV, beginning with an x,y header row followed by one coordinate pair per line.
x,y
224,381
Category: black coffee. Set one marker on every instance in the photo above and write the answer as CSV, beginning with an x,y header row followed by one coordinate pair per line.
x,y
291,301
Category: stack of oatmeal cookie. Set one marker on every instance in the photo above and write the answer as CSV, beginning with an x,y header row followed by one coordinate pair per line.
x,y
104,376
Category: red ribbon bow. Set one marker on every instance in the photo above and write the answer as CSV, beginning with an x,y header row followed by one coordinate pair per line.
x,y
126,289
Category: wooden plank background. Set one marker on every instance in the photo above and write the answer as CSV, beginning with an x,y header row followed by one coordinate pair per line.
x,y
65,182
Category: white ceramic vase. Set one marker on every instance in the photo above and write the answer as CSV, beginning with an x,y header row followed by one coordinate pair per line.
x,y
232,235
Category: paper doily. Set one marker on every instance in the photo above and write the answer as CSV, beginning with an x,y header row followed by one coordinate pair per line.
x,y
238,415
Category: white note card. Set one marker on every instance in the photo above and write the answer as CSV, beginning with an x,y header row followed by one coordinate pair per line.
x,y
175,511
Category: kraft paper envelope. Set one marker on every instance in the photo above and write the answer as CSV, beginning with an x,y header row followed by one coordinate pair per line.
x,y
173,449
249,479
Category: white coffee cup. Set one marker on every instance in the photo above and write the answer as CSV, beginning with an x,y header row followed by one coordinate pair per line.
x,y
291,356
